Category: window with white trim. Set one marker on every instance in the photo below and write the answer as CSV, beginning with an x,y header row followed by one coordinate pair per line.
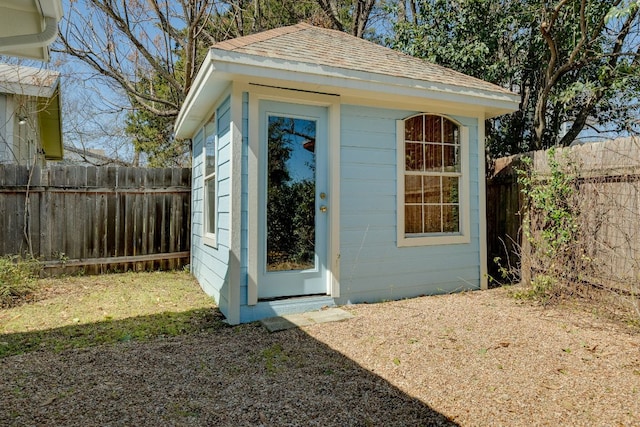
x,y
431,184
210,182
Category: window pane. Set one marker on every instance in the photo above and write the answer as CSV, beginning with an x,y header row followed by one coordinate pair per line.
x,y
414,156
413,189
413,219
432,219
433,130
210,220
210,148
450,132
450,191
291,194
432,189
451,158
432,200
413,129
433,158
451,219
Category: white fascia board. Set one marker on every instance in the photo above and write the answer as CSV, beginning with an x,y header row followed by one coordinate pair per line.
x,y
323,78
207,87
15,88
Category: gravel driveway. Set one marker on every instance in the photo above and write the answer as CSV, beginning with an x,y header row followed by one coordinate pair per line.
x,y
472,359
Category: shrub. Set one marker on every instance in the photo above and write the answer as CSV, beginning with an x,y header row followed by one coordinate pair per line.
x,y
18,279
551,227
541,289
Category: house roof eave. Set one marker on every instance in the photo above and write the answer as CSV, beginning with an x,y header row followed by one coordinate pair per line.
x,y
29,27
221,67
344,79
29,81
208,85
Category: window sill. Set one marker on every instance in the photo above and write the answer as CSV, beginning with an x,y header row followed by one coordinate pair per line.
x,y
453,239
210,240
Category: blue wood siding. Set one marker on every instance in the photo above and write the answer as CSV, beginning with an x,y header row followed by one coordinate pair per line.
x,y
373,268
210,264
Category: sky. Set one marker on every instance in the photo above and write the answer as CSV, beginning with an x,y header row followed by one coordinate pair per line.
x,y
92,117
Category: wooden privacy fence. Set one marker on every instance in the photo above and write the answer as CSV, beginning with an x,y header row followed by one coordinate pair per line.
x,y
96,218
607,202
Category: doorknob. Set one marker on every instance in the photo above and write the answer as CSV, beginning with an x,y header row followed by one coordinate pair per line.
x,y
323,208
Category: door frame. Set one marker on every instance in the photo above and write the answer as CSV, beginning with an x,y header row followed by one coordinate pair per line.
x,y
303,281
259,93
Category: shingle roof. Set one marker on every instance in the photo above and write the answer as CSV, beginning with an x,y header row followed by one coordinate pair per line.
x,y
306,43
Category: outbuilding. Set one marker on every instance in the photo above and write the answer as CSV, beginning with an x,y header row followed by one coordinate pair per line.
x,y
330,170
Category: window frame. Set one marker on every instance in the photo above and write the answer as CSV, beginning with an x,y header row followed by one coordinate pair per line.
x,y
210,129
438,238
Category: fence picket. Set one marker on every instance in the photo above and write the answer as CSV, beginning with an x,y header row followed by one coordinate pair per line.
x,y
608,182
93,214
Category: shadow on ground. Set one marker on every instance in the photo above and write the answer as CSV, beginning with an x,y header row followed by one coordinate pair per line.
x,y
140,328
214,376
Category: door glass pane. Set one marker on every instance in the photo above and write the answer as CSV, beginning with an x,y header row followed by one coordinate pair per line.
x,y
291,189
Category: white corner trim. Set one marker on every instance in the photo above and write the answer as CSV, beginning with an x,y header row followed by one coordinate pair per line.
x,y
253,205
482,206
235,243
333,246
399,183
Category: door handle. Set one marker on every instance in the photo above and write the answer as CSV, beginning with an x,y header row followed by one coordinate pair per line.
x,y
323,208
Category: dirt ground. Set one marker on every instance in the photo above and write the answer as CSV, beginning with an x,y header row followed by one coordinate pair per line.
x,y
470,359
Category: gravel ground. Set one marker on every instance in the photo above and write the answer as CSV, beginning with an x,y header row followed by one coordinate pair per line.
x,y
471,359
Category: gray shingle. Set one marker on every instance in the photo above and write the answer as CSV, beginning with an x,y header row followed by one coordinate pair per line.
x,y
306,43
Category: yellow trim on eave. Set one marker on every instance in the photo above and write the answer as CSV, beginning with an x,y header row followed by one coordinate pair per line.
x,y
50,125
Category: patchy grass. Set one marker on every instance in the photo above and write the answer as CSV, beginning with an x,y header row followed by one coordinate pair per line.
x,y
77,312
17,279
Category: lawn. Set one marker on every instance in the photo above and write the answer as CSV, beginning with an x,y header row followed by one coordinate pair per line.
x,y
76,312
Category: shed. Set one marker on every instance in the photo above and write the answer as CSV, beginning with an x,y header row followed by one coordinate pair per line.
x,y
330,170
30,118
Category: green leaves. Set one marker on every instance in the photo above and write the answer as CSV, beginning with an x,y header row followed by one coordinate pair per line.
x,y
622,11
549,197
583,71
17,279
